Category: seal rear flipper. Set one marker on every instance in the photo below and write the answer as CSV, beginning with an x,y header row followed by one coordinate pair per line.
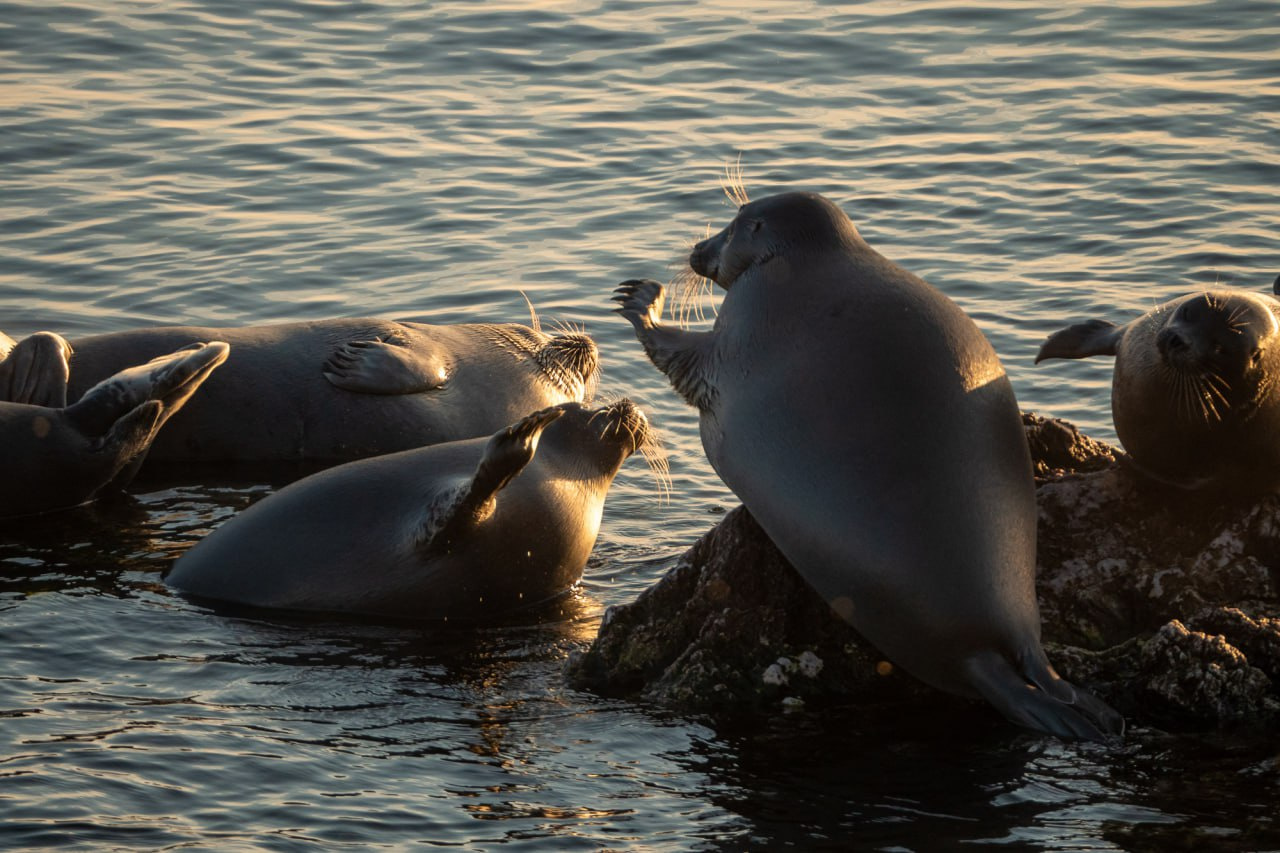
x,y
1093,337
128,441
505,456
169,380
678,353
392,364
35,371
1084,718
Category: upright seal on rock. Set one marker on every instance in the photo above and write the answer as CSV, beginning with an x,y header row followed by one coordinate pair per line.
x,y
1196,391
869,428
335,390
54,456
468,529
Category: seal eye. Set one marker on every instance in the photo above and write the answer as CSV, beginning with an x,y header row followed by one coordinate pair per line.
x,y
1255,358
755,226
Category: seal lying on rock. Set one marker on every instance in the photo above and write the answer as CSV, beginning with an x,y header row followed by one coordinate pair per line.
x,y
334,390
1196,391
869,428
466,529
55,456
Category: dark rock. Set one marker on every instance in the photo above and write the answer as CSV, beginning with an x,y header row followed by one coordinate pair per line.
x,y
1163,602
732,628
1058,447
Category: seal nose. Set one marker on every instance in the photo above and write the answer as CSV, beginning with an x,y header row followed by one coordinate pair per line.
x,y
698,261
704,259
1173,346
625,418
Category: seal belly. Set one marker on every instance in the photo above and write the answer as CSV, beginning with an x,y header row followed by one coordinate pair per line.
x,y
900,485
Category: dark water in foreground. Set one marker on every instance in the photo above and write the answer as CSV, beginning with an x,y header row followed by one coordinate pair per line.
x,y
227,163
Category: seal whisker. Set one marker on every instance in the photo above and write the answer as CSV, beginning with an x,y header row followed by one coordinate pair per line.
x,y
655,456
1208,401
534,322
1233,319
1216,388
1202,397
568,327
732,184
1187,395
1195,396
690,291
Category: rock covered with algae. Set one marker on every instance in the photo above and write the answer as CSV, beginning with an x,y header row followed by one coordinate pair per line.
x,y
1164,603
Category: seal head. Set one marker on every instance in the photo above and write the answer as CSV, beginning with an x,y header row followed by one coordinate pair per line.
x,y
1194,395
769,228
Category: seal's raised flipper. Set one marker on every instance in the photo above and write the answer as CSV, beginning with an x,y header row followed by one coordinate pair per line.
x,y
123,413
1039,699
35,371
678,353
387,365
505,456
168,380
1093,337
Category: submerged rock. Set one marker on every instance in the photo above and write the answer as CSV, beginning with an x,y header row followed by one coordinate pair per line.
x,y
1165,603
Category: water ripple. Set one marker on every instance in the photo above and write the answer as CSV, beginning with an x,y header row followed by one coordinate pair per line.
x,y
215,162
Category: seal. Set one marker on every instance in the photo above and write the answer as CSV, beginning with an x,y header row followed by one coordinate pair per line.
x,y
1195,395
868,426
463,530
56,456
341,389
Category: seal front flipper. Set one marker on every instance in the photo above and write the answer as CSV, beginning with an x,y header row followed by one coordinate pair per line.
x,y
678,353
1040,699
1093,337
36,371
505,456
391,364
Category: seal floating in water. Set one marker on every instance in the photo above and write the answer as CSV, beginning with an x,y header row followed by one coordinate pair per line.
x,y
1195,395
335,390
866,423
466,529
55,456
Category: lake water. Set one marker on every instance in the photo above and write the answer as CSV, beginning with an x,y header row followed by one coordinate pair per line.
x,y
221,162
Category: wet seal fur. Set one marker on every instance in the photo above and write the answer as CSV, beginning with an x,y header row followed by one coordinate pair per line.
x,y
467,530
867,425
1195,395
56,456
342,389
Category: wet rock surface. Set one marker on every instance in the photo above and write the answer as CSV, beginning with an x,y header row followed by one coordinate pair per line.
x,y
1164,603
